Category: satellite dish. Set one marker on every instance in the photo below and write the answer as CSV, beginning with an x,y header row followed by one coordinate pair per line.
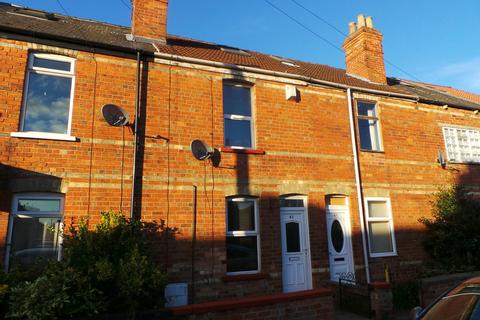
x,y
201,150
441,159
114,115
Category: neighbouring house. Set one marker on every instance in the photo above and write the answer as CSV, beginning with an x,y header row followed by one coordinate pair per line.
x,y
318,172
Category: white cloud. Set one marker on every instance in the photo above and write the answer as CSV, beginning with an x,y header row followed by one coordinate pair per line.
x,y
463,75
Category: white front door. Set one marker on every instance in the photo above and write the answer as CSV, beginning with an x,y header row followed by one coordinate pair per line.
x,y
297,274
339,242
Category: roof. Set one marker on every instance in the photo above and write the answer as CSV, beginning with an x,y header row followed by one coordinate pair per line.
x,y
45,25
437,95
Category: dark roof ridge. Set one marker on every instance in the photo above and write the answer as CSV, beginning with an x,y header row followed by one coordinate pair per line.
x,y
428,86
61,15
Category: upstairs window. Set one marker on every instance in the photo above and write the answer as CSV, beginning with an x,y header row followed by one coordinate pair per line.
x,y
368,126
237,113
243,241
47,102
35,229
462,144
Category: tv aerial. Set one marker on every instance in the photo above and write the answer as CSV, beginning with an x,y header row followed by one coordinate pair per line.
x,y
115,116
201,150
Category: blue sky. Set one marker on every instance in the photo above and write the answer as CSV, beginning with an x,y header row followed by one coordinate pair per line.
x,y
434,41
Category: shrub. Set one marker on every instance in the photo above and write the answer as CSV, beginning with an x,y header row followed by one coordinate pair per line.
x,y
405,295
60,293
452,238
107,269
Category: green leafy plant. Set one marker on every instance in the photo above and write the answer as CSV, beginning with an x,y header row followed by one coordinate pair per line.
x,y
452,238
109,268
60,293
405,295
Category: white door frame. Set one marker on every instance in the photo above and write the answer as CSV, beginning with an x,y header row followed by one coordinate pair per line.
x,y
347,233
306,238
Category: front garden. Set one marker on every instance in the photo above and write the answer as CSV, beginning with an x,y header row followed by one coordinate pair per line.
x,y
110,269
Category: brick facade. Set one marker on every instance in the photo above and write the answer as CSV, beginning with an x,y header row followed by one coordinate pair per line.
x,y
306,149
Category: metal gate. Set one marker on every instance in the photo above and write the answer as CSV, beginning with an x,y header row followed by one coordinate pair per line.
x,y
353,296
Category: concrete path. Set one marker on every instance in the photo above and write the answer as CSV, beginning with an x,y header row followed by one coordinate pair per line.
x,y
343,315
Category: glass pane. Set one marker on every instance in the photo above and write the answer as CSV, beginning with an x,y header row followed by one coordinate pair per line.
x,y
377,209
369,135
366,109
38,205
242,254
292,231
236,100
380,237
47,104
455,307
34,238
291,203
238,133
241,216
336,234
51,64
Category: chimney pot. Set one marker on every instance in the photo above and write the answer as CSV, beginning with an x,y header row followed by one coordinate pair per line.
x,y
352,27
361,21
369,22
364,52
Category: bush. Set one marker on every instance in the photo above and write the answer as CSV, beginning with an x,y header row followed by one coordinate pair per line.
x,y
117,258
405,295
60,293
452,238
108,269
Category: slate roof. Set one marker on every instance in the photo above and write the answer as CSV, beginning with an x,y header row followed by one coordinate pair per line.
x,y
44,25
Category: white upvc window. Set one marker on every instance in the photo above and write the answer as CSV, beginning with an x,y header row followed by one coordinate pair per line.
x,y
243,237
35,229
381,236
369,126
237,114
48,98
462,144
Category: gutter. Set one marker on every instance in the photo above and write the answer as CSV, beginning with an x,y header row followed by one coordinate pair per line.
x,y
358,183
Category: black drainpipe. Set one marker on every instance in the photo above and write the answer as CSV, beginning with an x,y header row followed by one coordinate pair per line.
x,y
135,141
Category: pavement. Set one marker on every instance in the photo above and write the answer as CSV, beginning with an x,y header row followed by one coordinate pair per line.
x,y
343,315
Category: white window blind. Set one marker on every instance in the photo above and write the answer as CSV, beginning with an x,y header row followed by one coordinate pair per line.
x,y
463,145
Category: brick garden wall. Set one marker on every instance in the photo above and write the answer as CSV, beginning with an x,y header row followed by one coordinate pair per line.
x,y
313,304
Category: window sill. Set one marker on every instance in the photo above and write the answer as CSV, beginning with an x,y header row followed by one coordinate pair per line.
x,y
383,255
244,151
372,151
245,277
43,136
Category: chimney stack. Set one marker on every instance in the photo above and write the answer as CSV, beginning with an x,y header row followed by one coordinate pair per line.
x,y
364,52
149,20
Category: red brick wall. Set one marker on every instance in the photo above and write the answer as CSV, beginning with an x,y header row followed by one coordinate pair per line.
x,y
307,151
313,304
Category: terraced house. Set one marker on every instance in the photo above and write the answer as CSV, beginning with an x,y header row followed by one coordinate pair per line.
x,y
317,173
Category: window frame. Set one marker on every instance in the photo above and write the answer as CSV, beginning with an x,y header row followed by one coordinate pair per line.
x,y
457,145
237,117
242,233
388,219
378,125
49,72
45,214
